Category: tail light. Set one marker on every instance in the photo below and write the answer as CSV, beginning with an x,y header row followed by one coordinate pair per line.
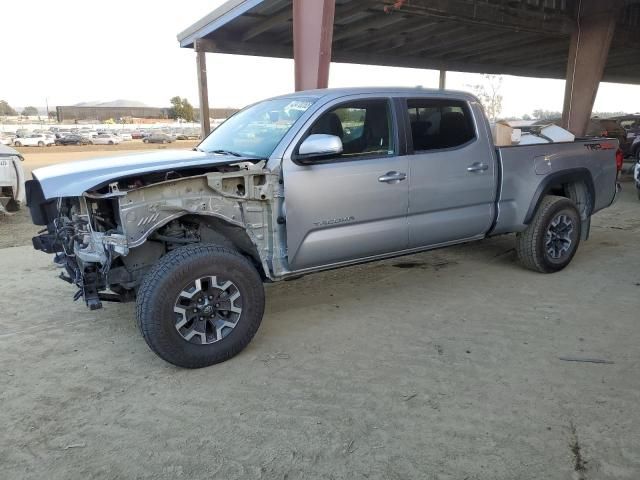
x,y
604,133
619,159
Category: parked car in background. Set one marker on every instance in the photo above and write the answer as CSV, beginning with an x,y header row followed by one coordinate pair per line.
x,y
136,134
186,135
34,140
636,177
609,127
88,133
73,140
125,136
631,124
12,190
105,139
159,138
634,151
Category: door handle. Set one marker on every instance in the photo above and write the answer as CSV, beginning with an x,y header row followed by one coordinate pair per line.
x,y
478,167
392,177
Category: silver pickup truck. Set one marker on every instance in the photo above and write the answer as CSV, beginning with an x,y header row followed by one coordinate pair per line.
x,y
298,184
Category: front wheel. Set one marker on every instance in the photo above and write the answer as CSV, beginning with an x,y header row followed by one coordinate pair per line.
x,y
41,144
552,238
200,305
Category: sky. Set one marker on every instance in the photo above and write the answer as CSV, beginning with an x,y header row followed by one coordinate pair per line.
x,y
69,51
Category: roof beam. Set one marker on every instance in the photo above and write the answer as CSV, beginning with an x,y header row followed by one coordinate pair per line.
x,y
464,42
495,15
436,39
266,24
388,35
438,64
350,30
525,51
497,42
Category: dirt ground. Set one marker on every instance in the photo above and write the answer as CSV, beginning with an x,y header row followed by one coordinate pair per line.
x,y
442,365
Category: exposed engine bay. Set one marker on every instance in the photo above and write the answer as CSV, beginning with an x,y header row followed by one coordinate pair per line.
x,y
108,238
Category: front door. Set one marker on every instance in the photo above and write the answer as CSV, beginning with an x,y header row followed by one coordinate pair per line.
x,y
452,173
353,205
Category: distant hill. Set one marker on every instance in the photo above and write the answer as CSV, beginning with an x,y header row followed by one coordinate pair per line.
x,y
114,103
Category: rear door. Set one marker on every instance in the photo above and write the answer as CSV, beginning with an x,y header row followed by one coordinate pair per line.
x,y
452,172
354,205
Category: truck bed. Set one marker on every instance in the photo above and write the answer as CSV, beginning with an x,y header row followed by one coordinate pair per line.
x,y
530,171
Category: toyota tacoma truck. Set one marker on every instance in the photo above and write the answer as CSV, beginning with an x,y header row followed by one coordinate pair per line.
x,y
298,184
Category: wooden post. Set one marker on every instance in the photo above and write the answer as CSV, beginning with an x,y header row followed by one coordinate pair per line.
x,y
312,38
203,91
588,54
443,79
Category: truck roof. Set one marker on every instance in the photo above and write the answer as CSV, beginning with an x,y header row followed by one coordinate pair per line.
x,y
329,93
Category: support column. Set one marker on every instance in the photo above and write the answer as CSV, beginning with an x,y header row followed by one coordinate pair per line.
x,y
203,91
312,37
443,79
588,53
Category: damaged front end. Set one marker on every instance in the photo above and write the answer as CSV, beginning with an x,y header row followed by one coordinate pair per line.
x,y
85,235
108,238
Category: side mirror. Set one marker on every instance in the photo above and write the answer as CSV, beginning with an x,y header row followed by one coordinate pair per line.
x,y
320,145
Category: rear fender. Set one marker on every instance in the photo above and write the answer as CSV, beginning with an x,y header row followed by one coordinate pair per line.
x,y
576,184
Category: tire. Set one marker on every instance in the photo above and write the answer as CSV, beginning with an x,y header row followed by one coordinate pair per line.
x,y
145,140
536,250
17,144
163,289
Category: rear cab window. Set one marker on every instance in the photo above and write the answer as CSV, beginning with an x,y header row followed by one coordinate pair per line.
x,y
437,124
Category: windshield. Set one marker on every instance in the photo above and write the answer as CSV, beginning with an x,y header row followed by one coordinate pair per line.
x,y
256,130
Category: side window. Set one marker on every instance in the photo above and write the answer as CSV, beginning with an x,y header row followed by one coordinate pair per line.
x,y
364,126
437,124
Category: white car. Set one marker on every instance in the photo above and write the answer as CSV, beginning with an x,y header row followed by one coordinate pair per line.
x,y
125,136
12,191
34,140
105,139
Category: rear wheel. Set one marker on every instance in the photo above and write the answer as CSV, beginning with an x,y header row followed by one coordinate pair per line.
x,y
41,144
200,305
17,144
552,238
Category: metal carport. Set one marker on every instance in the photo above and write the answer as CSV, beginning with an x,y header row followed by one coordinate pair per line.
x,y
582,41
